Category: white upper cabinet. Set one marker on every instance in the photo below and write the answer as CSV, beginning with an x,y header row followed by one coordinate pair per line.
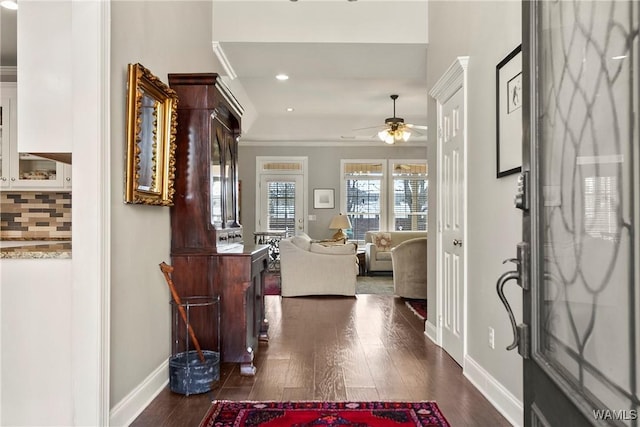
x,y
7,129
22,171
45,120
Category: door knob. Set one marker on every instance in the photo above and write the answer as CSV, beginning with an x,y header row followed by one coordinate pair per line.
x,y
457,242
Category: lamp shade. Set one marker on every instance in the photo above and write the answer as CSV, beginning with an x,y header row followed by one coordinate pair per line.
x,y
340,222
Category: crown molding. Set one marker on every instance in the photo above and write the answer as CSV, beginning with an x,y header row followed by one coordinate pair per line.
x,y
224,61
451,80
346,143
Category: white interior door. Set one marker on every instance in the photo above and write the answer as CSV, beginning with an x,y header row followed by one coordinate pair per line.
x,y
281,204
451,222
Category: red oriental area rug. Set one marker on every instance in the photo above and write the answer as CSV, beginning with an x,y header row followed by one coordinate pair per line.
x,y
225,413
418,306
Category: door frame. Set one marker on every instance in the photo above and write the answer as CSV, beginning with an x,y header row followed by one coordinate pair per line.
x,y
450,82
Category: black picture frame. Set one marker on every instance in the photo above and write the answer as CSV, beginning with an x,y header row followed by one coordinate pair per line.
x,y
509,114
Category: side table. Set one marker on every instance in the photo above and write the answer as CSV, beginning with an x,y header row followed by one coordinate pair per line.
x,y
362,260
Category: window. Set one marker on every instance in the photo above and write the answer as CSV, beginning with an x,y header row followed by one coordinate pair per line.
x,y
281,206
410,191
363,184
371,207
601,207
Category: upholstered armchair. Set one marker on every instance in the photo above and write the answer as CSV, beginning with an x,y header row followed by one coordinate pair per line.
x,y
378,246
409,260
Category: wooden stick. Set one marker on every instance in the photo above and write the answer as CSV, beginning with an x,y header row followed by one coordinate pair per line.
x,y
166,270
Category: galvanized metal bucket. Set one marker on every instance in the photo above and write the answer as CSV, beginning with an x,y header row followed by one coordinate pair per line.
x,y
189,375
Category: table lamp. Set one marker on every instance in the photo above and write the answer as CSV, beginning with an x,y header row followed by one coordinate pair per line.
x,y
340,222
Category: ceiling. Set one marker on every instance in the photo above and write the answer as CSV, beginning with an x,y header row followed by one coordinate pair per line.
x,y
344,59
333,88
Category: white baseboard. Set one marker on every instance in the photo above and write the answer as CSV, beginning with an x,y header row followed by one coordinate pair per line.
x,y
502,399
431,331
126,411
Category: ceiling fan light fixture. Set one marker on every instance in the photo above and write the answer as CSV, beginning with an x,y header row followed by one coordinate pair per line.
x,y
9,4
386,136
406,135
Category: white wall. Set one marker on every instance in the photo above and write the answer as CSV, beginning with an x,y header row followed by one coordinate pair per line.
x,y
165,37
486,32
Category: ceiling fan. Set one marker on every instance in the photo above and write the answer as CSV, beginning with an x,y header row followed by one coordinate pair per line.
x,y
395,129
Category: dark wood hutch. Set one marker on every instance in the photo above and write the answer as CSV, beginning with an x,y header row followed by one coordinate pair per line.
x,y
207,247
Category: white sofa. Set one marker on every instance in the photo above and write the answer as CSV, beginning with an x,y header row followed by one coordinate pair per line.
x,y
378,257
317,268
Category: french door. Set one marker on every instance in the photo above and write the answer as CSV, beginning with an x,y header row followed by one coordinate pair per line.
x,y
281,204
579,261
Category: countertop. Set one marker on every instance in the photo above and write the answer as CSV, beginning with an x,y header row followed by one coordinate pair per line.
x,y
35,249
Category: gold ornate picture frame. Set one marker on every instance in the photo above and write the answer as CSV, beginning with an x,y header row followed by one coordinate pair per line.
x,y
151,132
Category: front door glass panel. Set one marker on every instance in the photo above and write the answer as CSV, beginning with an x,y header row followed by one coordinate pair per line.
x,y
587,308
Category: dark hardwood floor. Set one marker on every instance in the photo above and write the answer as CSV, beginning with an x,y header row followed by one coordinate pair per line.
x,y
371,347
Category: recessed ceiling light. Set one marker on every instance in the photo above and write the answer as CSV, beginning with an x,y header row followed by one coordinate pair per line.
x,y
282,77
9,4
290,109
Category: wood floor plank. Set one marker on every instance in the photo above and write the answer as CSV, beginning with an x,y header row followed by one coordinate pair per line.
x,y
362,394
270,380
297,393
300,373
355,366
328,375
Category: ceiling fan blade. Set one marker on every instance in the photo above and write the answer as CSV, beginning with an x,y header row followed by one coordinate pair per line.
x,y
409,125
415,132
371,127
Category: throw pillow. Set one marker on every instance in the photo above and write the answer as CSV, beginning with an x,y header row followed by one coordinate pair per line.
x,y
383,241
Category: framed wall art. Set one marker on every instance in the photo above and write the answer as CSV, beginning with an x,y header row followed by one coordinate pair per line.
x,y
151,132
509,114
323,198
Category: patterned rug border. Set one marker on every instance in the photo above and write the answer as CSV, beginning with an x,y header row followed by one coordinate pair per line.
x,y
427,412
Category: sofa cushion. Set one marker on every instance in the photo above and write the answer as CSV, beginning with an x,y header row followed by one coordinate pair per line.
x,y
302,241
342,249
383,256
382,241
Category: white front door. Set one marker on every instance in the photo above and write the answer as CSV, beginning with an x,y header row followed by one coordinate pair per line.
x,y
450,94
281,204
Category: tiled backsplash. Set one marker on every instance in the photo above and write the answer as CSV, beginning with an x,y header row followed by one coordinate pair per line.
x,y
35,216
